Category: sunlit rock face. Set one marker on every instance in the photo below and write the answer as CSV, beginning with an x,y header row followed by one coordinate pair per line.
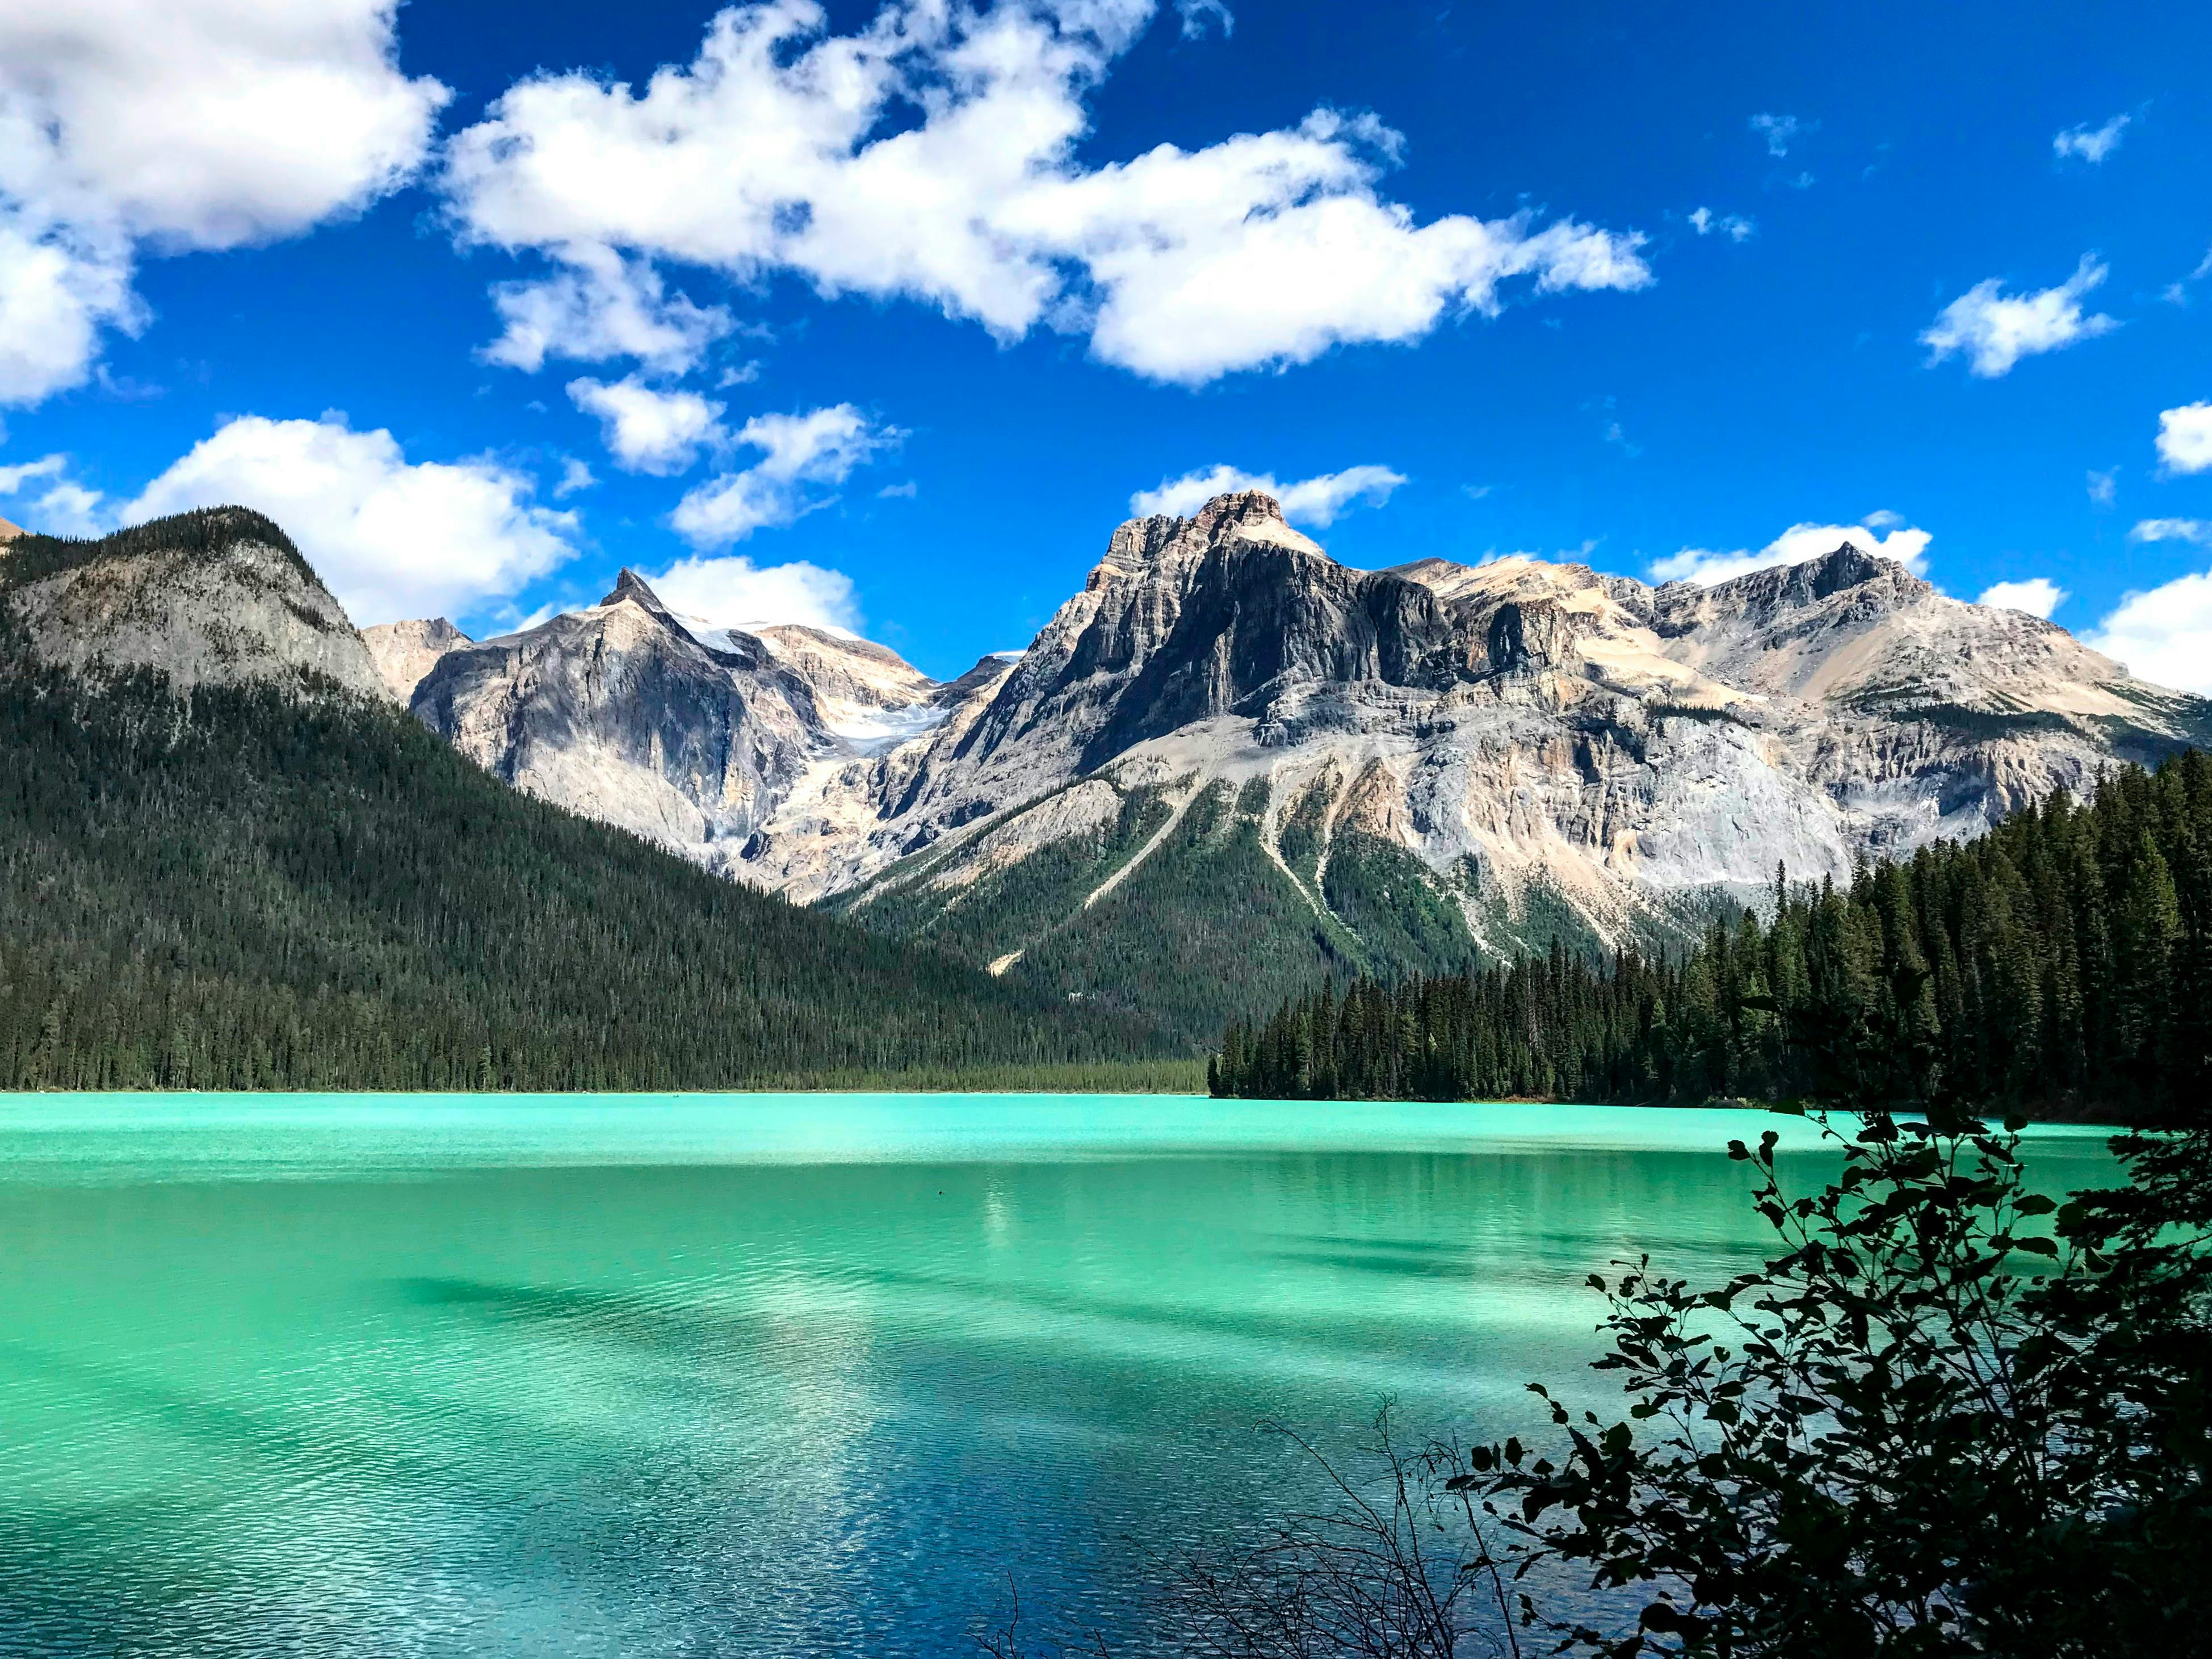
x,y
1525,733
406,651
215,597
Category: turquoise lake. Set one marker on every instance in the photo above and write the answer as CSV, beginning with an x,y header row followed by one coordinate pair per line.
x,y
755,1375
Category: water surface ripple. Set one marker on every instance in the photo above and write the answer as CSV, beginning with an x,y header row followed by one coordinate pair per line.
x,y
748,1375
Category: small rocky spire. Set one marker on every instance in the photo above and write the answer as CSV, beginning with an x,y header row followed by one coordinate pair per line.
x,y
634,588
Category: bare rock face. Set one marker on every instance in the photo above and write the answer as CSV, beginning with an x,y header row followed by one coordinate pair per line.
x,y
621,712
215,597
866,692
10,531
1523,731
405,651
1506,752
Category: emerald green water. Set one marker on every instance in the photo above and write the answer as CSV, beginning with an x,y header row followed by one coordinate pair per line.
x,y
755,1375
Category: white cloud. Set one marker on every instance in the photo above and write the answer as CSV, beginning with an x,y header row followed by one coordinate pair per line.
x,y
1200,15
2164,635
574,476
58,288
1795,545
2038,596
64,506
1995,330
2105,487
602,305
194,123
1733,226
2172,530
1319,501
931,155
70,509
648,430
1780,131
732,592
2184,437
13,478
389,538
804,459
2092,144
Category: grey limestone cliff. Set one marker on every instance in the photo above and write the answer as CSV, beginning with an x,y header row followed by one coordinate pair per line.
x,y
216,597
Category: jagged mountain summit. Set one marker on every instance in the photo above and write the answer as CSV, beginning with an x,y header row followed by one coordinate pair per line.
x,y
691,735
1230,763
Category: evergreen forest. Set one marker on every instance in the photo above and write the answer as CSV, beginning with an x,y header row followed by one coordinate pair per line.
x,y
248,891
2061,965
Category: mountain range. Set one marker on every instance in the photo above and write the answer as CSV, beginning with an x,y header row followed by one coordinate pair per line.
x,y
1231,765
228,859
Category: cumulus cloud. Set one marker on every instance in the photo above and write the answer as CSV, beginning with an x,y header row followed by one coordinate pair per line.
x,y
2090,144
2164,635
931,155
1319,501
1994,330
60,505
195,123
732,592
1780,131
1795,545
2038,596
59,287
390,537
1733,226
804,459
649,430
2184,437
2172,530
13,478
602,307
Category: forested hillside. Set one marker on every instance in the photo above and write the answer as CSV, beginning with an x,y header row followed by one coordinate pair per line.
x,y
245,889
2062,963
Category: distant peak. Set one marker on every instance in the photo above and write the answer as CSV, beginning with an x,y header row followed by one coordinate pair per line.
x,y
10,531
1847,566
1238,508
1817,579
634,588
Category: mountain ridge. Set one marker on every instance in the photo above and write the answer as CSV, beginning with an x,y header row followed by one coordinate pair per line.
x,y
257,874
1229,764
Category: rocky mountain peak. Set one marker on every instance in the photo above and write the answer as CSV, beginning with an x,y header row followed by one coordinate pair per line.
x,y
217,596
632,588
1147,546
1886,582
10,531
1236,511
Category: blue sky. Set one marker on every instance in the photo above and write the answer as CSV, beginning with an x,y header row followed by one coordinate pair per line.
x,y
886,316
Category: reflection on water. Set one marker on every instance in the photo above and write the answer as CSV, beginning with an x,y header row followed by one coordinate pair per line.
x,y
754,1375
